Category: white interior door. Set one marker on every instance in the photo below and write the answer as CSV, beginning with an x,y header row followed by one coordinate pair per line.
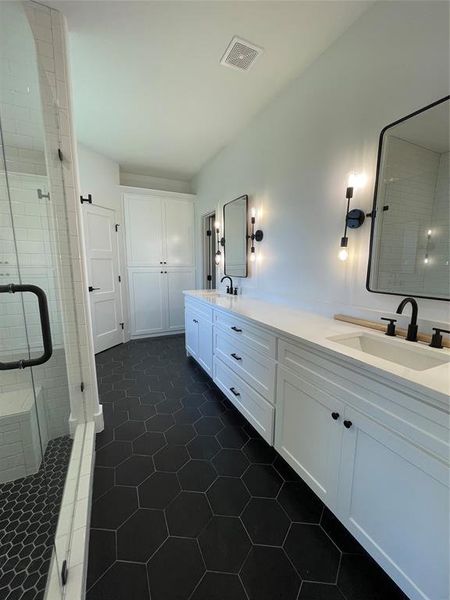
x,y
103,274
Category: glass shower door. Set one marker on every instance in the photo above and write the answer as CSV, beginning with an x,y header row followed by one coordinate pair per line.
x,y
39,353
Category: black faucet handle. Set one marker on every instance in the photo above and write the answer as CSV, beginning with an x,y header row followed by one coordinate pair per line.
x,y
436,339
391,327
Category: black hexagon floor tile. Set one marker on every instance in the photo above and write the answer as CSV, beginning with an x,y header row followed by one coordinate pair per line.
x,y
188,514
114,507
123,580
140,536
224,544
134,470
171,458
262,480
158,490
197,475
300,502
265,521
219,586
241,510
268,574
203,446
175,570
228,496
230,462
312,553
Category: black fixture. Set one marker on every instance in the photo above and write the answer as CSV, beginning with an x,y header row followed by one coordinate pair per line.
x,y
92,289
353,219
436,339
13,288
220,242
230,288
391,327
255,236
335,415
88,199
348,424
411,336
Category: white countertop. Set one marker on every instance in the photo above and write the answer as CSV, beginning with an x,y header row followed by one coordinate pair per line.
x,y
316,329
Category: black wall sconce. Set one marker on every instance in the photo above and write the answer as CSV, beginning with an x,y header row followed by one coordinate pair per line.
x,y
353,219
255,236
219,243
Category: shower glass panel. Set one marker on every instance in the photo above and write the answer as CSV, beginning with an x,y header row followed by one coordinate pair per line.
x,y
35,274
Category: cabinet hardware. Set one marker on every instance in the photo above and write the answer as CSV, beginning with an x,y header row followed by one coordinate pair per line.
x,y
91,289
335,415
195,320
116,227
64,573
235,356
60,155
234,328
233,391
348,424
41,195
88,199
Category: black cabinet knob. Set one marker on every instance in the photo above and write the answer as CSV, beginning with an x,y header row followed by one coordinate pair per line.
x,y
335,415
348,424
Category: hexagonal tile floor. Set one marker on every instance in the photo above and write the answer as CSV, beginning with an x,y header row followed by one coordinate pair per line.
x,y
190,503
29,509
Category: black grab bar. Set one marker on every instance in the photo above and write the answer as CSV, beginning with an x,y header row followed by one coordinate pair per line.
x,y
12,288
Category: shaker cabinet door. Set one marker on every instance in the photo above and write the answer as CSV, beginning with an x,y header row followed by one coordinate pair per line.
x,y
144,230
308,433
394,498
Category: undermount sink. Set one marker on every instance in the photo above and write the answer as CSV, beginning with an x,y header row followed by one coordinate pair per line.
x,y
416,357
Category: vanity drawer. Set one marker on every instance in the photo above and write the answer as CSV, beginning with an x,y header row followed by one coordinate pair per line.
x,y
252,405
258,339
201,308
258,370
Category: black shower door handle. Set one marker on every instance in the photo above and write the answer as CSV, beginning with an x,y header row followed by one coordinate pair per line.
x,y
13,288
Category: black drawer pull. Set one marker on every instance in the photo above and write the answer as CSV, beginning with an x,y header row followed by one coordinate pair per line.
x,y
195,320
335,415
235,356
233,391
234,328
348,424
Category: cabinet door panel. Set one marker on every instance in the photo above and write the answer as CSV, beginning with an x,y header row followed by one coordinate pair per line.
x,y
306,434
147,291
144,230
205,345
394,497
177,281
191,333
179,221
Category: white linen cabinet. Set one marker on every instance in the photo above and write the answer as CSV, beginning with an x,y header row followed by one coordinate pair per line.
x,y
159,231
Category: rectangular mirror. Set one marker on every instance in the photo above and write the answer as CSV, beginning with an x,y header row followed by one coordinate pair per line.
x,y
235,233
409,244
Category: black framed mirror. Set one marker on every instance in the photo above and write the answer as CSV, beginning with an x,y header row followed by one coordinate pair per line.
x,y
235,236
409,241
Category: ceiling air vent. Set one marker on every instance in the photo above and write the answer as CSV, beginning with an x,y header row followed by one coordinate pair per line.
x,y
240,54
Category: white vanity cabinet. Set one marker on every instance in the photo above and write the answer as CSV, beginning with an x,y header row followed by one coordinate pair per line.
x,y
373,448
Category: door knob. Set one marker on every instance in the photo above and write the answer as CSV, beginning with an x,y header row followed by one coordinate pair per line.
x,y
91,289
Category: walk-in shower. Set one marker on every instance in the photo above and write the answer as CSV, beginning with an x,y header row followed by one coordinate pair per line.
x,y
40,356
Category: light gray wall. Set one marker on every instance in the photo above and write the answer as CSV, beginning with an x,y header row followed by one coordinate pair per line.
x,y
294,158
154,183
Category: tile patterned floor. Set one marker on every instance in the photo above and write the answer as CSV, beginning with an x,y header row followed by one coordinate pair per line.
x,y
191,504
29,509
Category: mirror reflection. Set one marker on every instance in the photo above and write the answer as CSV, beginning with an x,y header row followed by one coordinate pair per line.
x,y
410,234
235,235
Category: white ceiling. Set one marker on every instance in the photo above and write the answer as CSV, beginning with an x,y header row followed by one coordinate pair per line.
x,y
148,88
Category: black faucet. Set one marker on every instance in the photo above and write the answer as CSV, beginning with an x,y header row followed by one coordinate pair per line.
x,y
412,327
229,287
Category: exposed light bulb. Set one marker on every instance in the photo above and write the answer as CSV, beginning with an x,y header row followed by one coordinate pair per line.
x,y
253,212
357,180
252,257
425,260
343,254
217,225
429,233
217,258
